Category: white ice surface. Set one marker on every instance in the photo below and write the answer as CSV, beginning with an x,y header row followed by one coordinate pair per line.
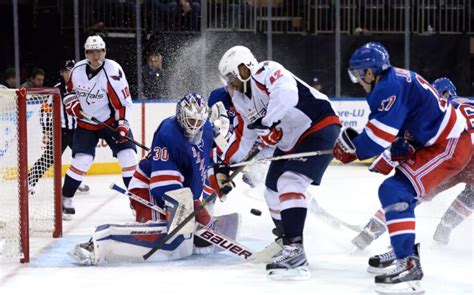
x,y
349,193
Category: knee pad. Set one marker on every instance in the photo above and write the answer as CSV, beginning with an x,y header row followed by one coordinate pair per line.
x,y
128,161
273,203
292,182
80,164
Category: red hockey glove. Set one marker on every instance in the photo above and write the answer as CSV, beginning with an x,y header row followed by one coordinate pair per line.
x,y
269,135
344,150
219,179
401,150
383,164
123,129
73,106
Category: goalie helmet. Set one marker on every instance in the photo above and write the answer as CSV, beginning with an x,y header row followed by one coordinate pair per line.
x,y
443,85
230,61
192,112
94,43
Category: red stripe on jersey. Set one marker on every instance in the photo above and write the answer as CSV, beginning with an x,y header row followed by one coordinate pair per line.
x,y
115,100
165,177
208,190
401,226
234,146
380,133
141,177
262,87
329,120
291,196
94,127
449,126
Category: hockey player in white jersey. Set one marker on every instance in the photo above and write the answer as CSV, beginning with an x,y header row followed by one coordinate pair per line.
x,y
97,87
285,112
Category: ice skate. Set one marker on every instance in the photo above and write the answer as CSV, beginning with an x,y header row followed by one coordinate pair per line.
x,y
83,189
382,263
404,279
68,208
290,265
83,253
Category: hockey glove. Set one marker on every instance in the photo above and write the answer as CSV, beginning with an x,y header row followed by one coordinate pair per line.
x,y
383,163
123,129
219,179
401,150
219,119
73,106
344,150
269,135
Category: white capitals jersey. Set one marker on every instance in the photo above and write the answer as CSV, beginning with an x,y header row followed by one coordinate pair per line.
x,y
103,94
278,96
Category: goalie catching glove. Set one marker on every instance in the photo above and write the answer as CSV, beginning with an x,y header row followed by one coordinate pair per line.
x,y
344,150
219,179
269,135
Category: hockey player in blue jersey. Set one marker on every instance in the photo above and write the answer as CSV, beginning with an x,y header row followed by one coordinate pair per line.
x,y
462,206
178,159
410,124
282,111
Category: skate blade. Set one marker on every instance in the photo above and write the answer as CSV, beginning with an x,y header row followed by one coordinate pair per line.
x,y
409,287
78,192
295,274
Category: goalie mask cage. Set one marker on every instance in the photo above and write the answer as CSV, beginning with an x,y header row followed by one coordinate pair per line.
x,y
30,169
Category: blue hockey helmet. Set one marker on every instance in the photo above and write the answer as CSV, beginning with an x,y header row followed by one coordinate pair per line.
x,y
372,55
443,85
192,112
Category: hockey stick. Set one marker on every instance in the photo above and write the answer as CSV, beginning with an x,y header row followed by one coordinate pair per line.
x,y
209,199
336,222
213,236
298,156
94,119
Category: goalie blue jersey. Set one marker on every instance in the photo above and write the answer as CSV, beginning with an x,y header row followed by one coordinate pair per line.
x,y
174,162
402,103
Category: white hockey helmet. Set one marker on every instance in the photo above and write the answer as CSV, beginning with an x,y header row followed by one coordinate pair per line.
x,y
192,113
230,61
94,43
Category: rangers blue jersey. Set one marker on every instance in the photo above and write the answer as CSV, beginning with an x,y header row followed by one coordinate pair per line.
x,y
402,103
174,162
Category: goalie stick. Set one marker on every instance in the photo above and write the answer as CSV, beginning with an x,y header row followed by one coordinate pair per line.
x,y
212,236
209,199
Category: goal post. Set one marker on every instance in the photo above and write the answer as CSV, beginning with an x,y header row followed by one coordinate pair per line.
x,y
30,169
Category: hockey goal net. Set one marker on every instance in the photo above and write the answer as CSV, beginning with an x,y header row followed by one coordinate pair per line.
x,y
30,169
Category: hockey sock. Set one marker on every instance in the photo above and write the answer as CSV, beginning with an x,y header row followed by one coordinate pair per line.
x,y
70,186
293,220
126,180
460,209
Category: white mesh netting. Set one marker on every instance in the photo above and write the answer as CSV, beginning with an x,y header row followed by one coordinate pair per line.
x,y
40,176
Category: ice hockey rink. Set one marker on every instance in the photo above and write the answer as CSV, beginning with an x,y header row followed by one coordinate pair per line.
x,y
347,192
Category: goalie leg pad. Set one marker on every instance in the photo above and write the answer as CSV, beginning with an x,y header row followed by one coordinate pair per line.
x,y
112,243
227,225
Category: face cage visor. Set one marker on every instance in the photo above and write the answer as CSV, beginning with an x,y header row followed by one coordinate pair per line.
x,y
356,75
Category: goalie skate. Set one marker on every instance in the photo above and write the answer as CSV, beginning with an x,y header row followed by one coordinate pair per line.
x,y
382,263
83,253
290,265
